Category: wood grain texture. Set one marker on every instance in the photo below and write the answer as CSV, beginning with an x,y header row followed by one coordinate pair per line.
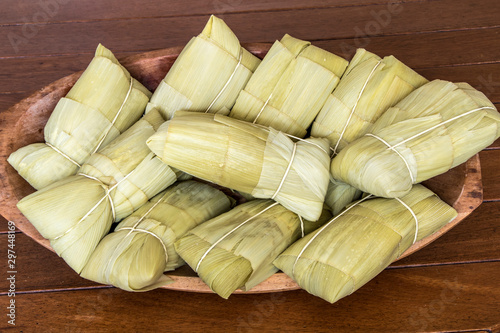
x,y
491,178
311,24
7,100
17,12
469,65
430,299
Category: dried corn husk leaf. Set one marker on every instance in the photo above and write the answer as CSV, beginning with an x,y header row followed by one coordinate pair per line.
x,y
141,248
76,212
369,86
103,103
355,246
248,158
339,195
434,129
208,74
236,249
289,87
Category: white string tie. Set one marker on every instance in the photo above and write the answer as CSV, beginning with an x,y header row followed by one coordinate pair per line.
x,y
63,154
227,82
262,109
397,152
301,225
286,171
107,195
134,229
115,118
228,233
323,228
414,216
355,106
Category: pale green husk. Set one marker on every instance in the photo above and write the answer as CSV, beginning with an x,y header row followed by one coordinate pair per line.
x,y
76,212
369,86
95,111
429,132
339,195
208,74
290,86
134,260
248,158
355,246
238,247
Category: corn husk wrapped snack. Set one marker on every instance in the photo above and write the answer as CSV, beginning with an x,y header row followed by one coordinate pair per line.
x,y
289,87
339,195
248,158
369,86
236,249
432,130
141,248
103,103
208,75
355,246
76,212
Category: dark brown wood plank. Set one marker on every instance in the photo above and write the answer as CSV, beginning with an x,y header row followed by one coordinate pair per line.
x,y
490,162
427,53
9,99
477,238
431,299
423,50
38,268
312,24
496,144
26,11
3,225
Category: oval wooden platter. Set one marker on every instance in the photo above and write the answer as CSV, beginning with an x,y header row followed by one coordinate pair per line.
x,y
23,124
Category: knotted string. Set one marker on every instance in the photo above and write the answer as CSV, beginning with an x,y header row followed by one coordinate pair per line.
x,y
63,154
134,227
355,106
392,147
107,195
296,138
397,152
115,118
227,82
444,122
231,231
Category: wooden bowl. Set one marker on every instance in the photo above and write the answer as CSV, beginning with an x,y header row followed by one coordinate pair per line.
x,y
23,124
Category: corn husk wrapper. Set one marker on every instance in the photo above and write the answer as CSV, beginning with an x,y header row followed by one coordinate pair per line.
x,y
434,129
247,158
76,212
339,195
290,86
236,249
208,75
103,103
369,86
133,257
354,247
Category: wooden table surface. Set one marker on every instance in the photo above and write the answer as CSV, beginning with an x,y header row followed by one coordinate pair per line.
x,y
452,285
